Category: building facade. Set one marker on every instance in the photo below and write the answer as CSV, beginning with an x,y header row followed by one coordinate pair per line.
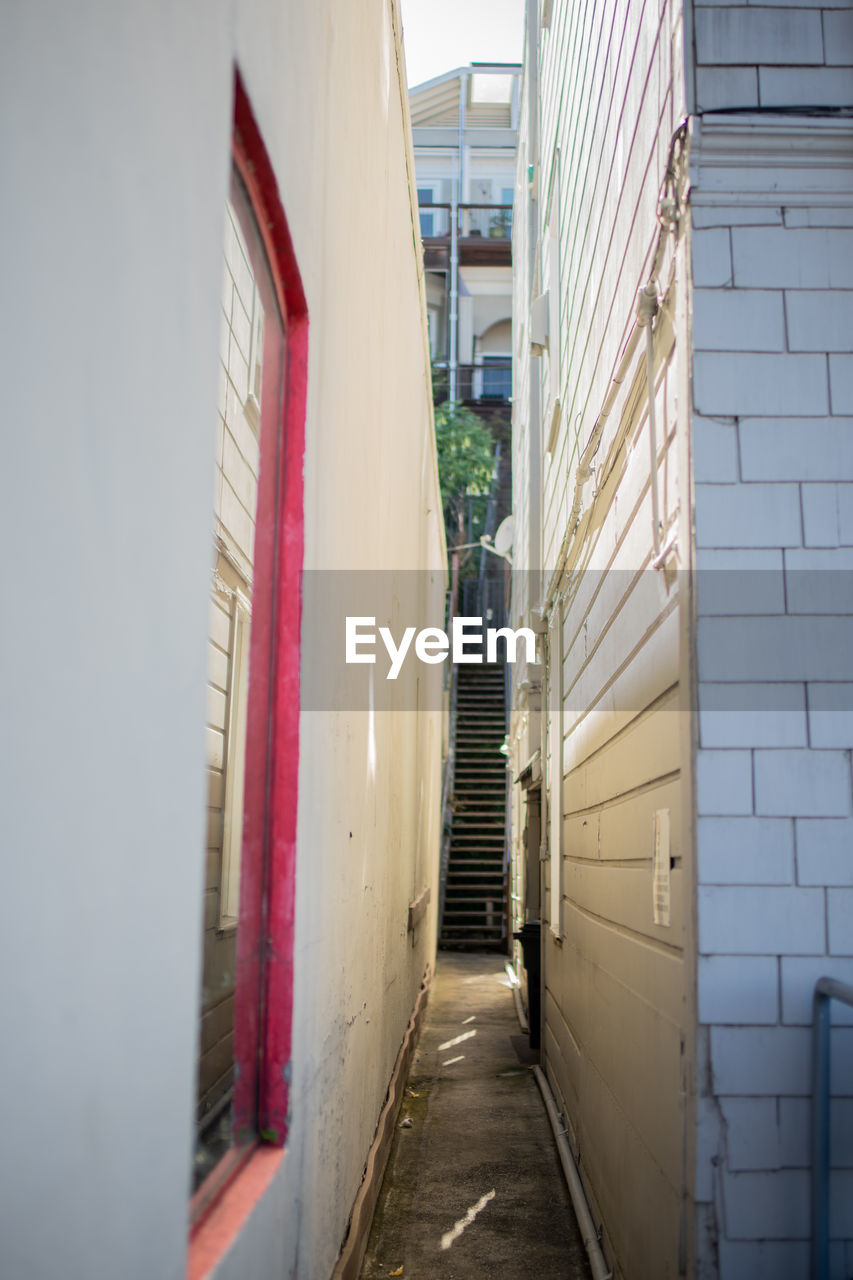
x,y
220,925
683,234
464,127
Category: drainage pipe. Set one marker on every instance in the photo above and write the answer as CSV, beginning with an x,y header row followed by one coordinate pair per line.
x,y
600,1269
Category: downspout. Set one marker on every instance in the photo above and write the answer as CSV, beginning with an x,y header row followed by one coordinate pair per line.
x,y
535,549
535,426
598,1265
456,198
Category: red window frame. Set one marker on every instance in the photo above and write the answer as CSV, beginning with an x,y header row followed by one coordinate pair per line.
x,y
264,967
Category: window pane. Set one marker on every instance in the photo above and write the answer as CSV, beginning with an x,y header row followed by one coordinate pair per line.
x,y
428,217
251,340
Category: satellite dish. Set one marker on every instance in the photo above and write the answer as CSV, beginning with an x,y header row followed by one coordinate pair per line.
x,y
504,536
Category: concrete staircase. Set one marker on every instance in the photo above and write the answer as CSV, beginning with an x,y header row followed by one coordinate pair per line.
x,y
475,894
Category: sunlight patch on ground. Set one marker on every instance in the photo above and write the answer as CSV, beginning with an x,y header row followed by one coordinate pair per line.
x,y
458,1227
450,1061
451,1044
471,1019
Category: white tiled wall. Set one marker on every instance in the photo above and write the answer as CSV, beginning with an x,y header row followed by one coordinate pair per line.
x,y
773,475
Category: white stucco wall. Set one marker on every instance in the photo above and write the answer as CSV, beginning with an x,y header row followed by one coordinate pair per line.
x,y
115,147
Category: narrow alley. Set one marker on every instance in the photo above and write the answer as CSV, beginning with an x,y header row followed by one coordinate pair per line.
x,y
473,1188
427,495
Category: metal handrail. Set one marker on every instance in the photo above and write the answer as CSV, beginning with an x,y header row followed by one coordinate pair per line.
x,y
483,221
826,989
496,216
485,383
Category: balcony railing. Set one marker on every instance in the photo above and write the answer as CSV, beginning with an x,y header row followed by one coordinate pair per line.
x,y
476,383
482,221
486,220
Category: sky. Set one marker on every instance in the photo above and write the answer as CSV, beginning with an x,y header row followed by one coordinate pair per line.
x,y
439,35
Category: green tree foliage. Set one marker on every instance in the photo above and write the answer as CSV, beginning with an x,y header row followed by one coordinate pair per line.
x,y
466,470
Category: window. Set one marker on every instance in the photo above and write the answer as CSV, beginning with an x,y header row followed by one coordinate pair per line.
x,y
253,688
497,378
427,216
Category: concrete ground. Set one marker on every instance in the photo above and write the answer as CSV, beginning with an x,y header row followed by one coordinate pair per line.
x,y
473,1189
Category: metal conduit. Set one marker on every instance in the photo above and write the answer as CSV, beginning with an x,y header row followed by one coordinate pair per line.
x,y
600,1269
826,989
647,309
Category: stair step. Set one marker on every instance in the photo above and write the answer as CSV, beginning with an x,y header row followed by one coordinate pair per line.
x,y
463,800
475,876
491,834
485,811
477,867
485,838
477,893
474,781
480,928
474,795
471,831
490,826
469,905
476,804
480,807
461,853
499,894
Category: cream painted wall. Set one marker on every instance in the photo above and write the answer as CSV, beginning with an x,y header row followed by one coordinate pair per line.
x,y
116,145
617,1004
700,1089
